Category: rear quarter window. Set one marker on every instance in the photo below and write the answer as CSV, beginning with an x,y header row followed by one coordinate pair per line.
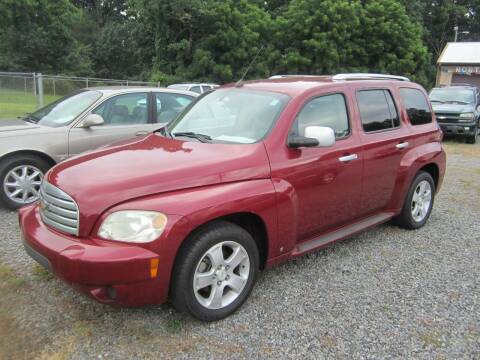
x,y
377,110
416,105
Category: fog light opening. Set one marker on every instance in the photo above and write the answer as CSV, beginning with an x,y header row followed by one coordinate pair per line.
x,y
112,293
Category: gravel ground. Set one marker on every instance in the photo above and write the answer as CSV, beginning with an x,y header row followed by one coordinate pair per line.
x,y
386,293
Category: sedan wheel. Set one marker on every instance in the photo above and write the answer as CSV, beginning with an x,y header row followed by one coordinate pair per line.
x,y
22,184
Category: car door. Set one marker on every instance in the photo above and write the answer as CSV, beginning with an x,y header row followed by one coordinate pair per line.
x,y
385,139
125,116
326,180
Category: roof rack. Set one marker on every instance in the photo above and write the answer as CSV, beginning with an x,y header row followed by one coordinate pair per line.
x,y
368,76
345,77
290,76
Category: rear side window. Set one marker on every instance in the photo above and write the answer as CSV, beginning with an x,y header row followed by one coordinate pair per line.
x,y
329,111
417,107
377,110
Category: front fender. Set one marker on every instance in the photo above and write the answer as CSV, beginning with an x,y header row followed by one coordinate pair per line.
x,y
412,162
188,209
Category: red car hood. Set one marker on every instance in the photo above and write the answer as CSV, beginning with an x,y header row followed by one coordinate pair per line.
x,y
101,179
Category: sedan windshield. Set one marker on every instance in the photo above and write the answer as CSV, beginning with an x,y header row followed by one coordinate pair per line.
x,y
63,111
230,116
452,96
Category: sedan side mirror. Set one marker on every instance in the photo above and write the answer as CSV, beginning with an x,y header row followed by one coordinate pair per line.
x,y
478,108
324,135
92,120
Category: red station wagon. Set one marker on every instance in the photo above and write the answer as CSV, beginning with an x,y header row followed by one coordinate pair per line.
x,y
249,176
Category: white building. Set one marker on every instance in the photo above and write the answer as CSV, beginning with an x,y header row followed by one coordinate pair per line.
x,y
459,63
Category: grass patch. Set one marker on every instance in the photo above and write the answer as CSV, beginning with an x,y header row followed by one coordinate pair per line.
x,y
174,326
9,279
432,340
42,273
14,103
453,147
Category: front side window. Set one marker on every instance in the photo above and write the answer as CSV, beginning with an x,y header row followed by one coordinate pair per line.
x,y
126,109
377,110
170,105
417,107
329,111
232,115
452,96
63,111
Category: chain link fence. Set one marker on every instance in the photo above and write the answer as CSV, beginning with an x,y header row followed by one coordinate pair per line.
x,y
21,93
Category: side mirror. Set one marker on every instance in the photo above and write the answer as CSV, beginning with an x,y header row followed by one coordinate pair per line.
x,y
324,135
295,141
92,120
478,108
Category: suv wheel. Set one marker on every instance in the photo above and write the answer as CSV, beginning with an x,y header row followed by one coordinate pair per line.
x,y
215,272
418,203
20,179
473,138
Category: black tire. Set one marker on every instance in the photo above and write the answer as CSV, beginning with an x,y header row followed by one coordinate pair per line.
x,y
9,164
473,138
405,219
182,292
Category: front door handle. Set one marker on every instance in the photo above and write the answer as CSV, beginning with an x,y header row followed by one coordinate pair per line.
x,y
348,158
141,133
402,145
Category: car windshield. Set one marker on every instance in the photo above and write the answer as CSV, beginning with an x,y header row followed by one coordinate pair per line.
x,y
230,116
452,96
63,111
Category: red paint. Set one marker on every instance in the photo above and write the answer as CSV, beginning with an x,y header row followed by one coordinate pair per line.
x,y
299,194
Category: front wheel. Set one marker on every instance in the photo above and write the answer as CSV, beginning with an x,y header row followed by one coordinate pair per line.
x,y
418,203
473,138
20,179
215,271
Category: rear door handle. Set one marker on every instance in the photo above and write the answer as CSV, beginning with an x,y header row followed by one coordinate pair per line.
x,y
141,133
348,158
402,145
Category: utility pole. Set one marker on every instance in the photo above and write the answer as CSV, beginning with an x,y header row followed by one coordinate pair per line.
x,y
455,28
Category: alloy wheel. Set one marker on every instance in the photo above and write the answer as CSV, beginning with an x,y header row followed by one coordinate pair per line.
x,y
221,275
421,200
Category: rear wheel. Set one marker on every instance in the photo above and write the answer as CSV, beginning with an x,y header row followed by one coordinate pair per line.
x,y
215,271
20,179
418,203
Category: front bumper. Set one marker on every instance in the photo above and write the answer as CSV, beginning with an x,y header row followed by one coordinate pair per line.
x,y
458,129
109,272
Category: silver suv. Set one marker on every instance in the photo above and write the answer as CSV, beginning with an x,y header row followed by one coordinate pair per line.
x,y
83,120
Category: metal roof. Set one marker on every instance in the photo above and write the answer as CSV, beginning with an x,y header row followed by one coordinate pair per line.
x,y
460,53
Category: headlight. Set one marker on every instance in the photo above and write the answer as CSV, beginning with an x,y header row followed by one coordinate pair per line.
x,y
133,226
466,116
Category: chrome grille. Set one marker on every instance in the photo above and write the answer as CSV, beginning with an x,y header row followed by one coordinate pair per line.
x,y
58,210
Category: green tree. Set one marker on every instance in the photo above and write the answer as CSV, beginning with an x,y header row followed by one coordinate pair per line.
x,y
330,36
203,39
37,36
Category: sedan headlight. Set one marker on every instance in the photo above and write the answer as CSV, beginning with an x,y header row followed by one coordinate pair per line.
x,y
466,116
133,226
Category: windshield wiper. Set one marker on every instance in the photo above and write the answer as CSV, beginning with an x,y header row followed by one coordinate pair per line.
x,y
30,118
200,137
441,102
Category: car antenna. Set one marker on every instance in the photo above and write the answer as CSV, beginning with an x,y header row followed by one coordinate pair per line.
x,y
239,83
